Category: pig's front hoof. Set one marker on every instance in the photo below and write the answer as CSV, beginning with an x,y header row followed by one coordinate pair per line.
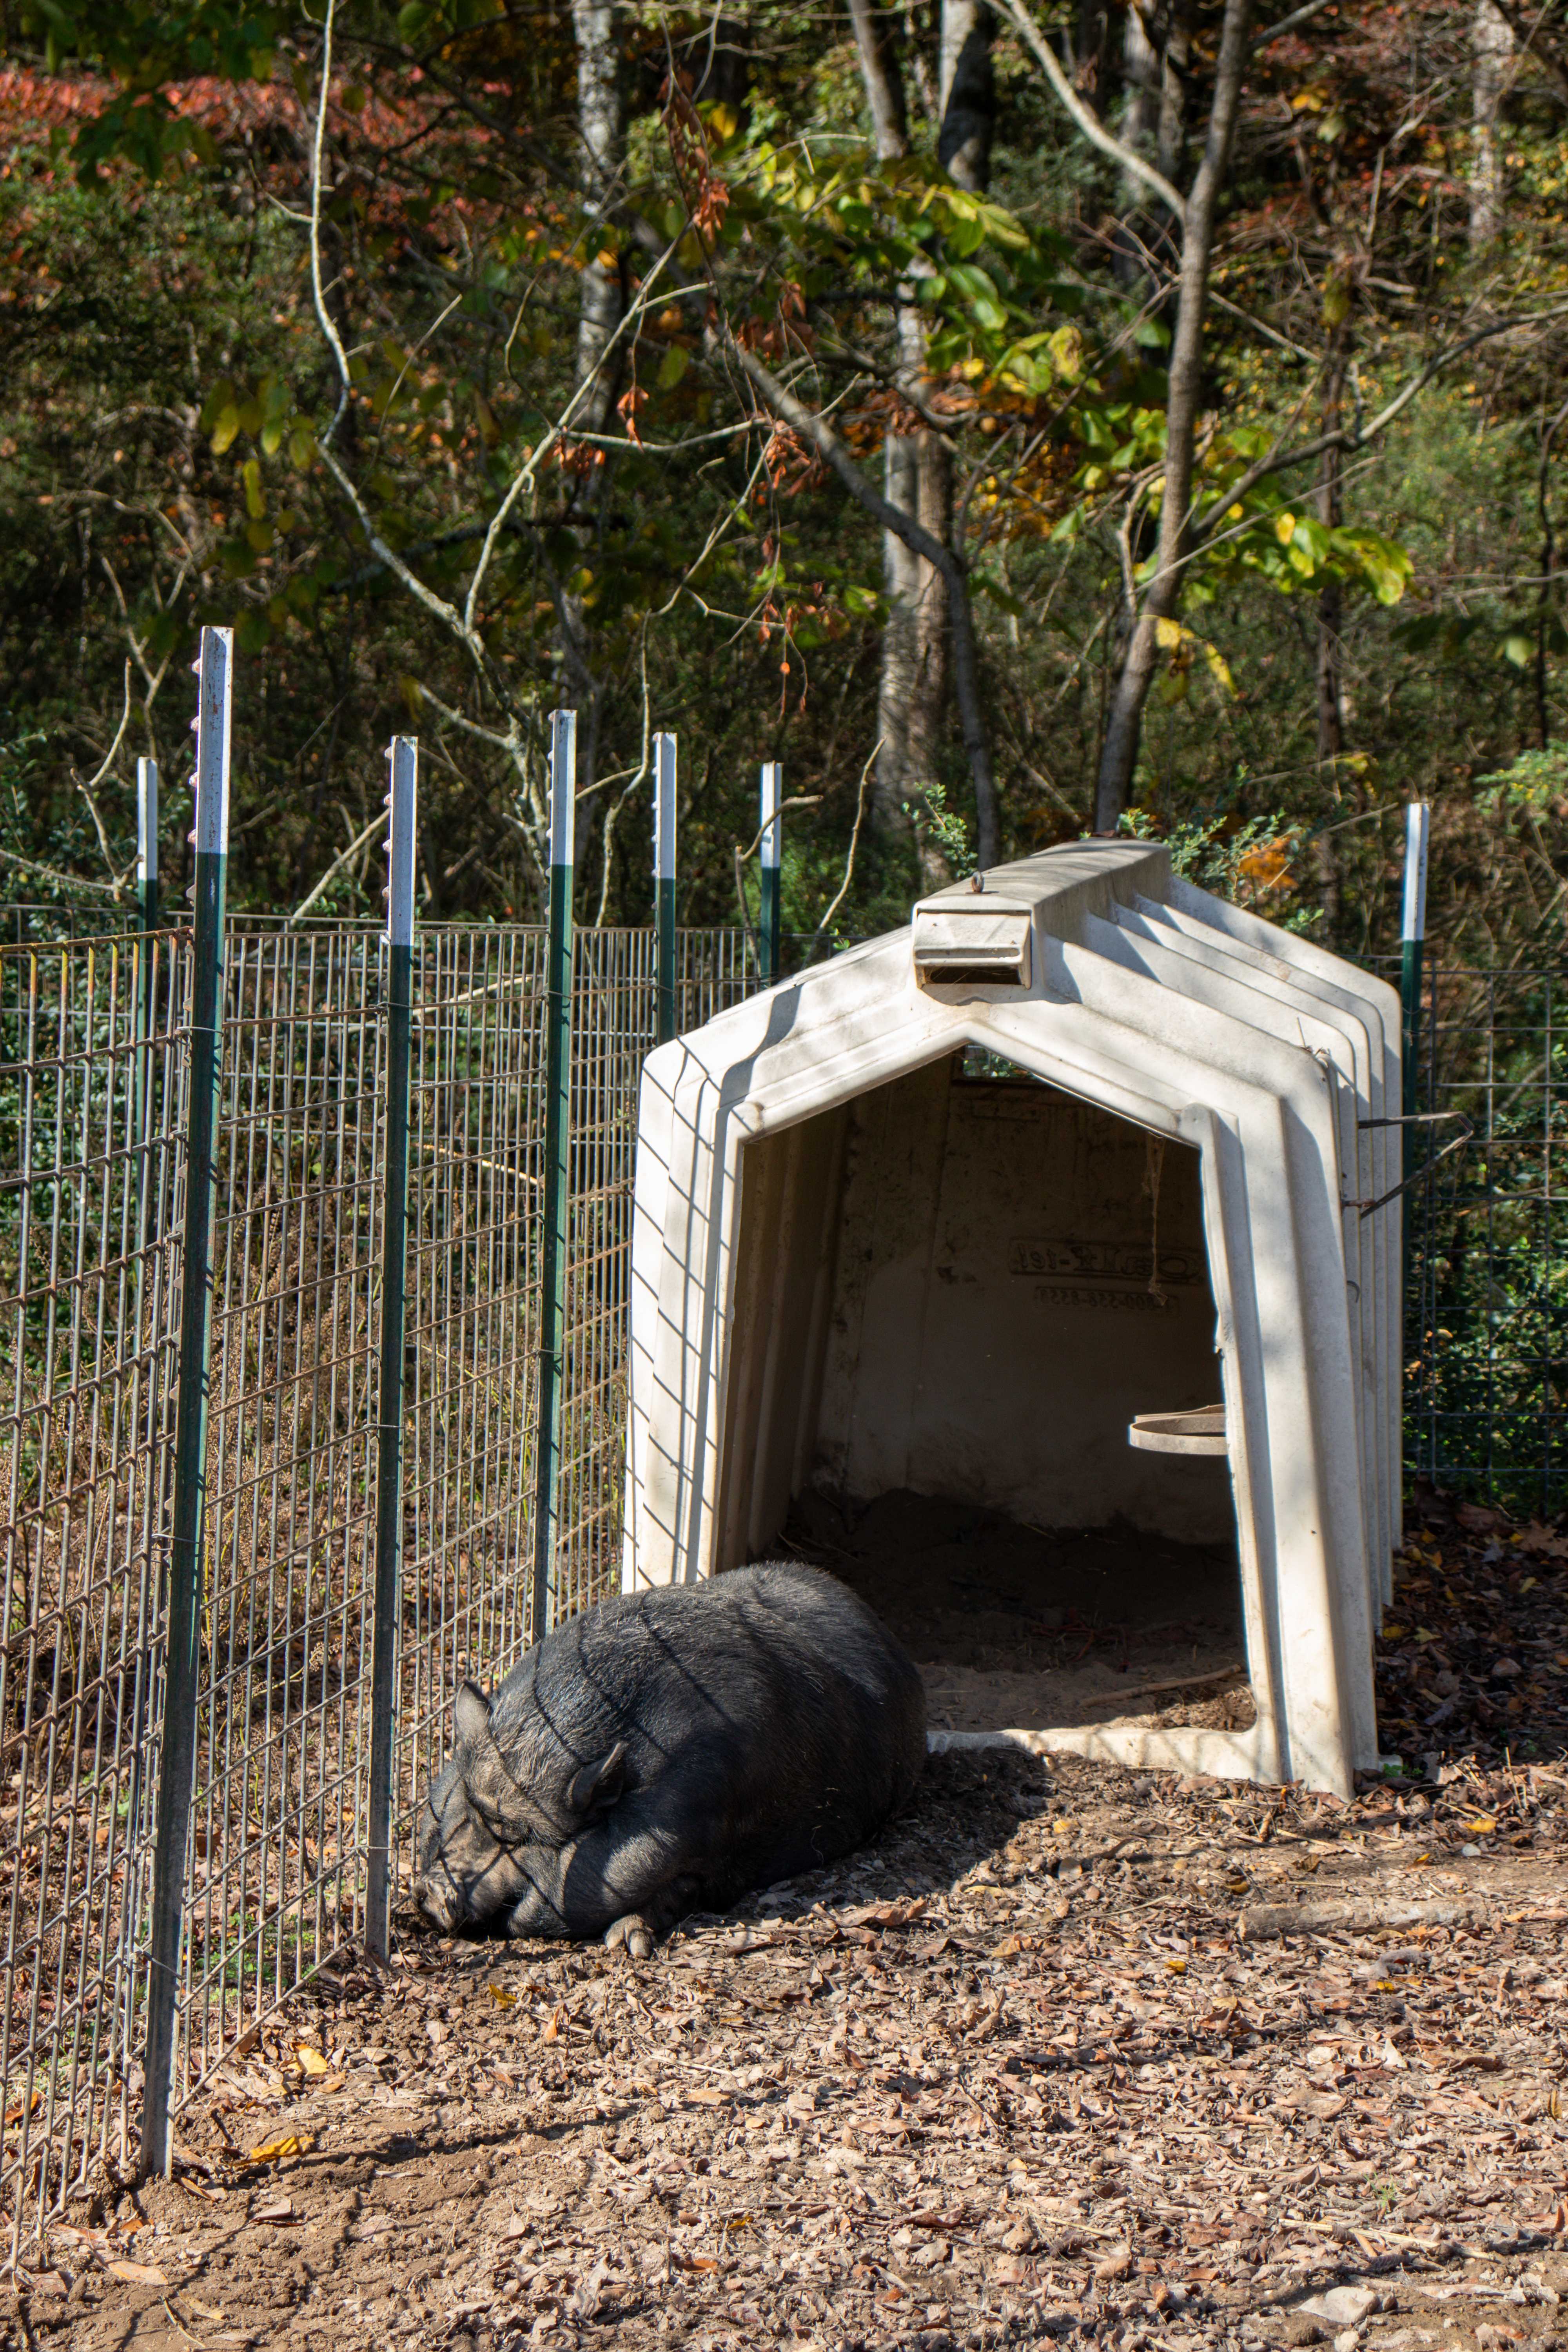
x,y
634,1932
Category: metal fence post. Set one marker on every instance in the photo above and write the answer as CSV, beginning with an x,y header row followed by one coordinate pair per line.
x,y
214,670
557,1186
1413,935
147,904
768,909
664,787
403,799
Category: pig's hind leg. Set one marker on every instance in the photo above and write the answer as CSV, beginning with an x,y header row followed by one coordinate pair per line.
x,y
638,1931
629,1889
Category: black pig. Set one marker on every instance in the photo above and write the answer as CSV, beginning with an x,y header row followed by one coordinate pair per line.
x,y
670,1750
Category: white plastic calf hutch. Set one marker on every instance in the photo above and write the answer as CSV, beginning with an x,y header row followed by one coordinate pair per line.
x,y
862,1266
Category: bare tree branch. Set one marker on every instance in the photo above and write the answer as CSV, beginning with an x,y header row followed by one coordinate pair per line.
x,y
1349,437
72,881
1290,24
815,429
336,868
318,290
1093,130
821,932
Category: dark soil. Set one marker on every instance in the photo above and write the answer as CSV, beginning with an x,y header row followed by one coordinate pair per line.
x,y
1022,1626
1014,2074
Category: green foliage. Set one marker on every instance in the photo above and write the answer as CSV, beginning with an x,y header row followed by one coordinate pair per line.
x,y
1253,861
946,833
1535,781
169,394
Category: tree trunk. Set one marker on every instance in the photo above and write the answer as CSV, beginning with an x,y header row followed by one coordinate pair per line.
x,y
901,567
1124,720
896,690
1140,120
1491,45
1545,597
968,93
883,82
1091,53
1154,65
932,634
917,643
601,302
1175,63
718,61
1330,695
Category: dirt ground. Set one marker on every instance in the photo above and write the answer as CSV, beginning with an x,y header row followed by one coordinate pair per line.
x,y
1015,1626
1039,2066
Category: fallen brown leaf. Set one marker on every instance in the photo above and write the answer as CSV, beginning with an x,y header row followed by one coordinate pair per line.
x,y
273,2151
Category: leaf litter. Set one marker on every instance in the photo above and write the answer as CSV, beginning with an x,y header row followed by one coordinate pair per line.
x,y
1023,2071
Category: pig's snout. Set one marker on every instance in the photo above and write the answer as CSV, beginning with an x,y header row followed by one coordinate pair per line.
x,y
441,1900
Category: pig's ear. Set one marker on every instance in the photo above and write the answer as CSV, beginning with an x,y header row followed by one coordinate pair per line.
x,y
596,1788
471,1714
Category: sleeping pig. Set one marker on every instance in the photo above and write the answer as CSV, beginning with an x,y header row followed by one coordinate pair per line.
x,y
667,1751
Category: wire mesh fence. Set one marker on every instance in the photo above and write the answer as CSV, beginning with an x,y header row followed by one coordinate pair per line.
x,y
94,1087
93,1105
1486,1291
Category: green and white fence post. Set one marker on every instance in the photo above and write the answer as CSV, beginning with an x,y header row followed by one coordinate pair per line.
x,y
403,799
1413,936
147,906
147,847
664,790
557,1171
772,843
214,670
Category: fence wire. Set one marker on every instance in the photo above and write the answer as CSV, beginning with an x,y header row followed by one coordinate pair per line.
x,y
92,1119
92,1114
1487,1295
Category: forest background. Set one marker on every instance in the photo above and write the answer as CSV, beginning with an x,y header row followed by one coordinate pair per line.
x,y
1020,421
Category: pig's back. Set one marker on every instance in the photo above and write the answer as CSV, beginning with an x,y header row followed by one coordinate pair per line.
x,y
770,1699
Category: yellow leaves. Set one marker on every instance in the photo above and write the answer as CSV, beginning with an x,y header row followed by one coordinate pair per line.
x,y
503,1996
1284,529
1266,867
309,2060
275,2151
255,496
1175,1967
1065,349
1482,1826
1183,646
